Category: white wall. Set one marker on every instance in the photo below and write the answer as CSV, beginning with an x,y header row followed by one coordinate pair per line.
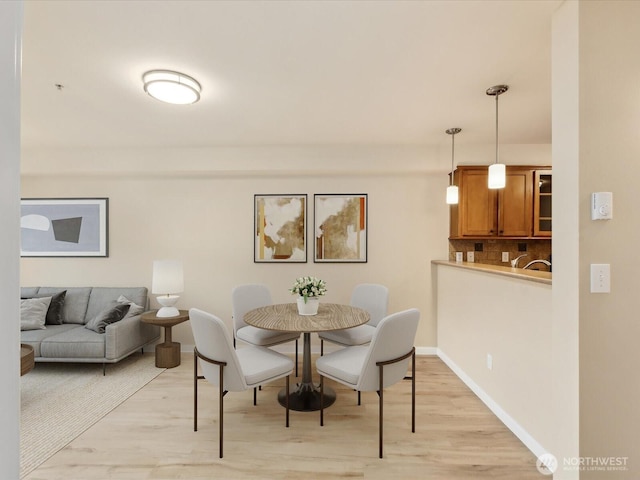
x,y
206,219
566,248
609,161
11,58
482,314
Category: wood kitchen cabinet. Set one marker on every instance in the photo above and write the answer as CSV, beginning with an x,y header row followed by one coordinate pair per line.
x,y
483,212
542,185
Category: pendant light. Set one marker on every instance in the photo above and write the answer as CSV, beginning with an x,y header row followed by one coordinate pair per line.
x,y
497,171
452,190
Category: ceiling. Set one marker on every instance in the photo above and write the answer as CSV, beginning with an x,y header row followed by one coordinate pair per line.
x,y
286,72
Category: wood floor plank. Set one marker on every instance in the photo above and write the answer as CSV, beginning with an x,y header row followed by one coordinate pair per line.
x,y
150,436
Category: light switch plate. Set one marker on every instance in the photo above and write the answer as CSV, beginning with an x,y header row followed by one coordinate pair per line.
x,y
505,256
600,278
471,257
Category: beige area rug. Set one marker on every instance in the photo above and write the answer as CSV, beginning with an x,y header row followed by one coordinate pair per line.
x,y
59,401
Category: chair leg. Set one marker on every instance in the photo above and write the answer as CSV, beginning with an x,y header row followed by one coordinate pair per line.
x,y
359,401
321,400
413,392
286,402
321,347
296,358
195,392
255,396
381,416
221,407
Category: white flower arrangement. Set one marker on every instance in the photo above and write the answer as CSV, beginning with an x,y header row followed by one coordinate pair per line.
x,y
308,287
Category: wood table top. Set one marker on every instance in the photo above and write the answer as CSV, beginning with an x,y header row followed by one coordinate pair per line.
x,y
284,317
150,317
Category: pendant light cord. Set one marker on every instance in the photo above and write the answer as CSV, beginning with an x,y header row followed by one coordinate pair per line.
x,y
497,128
453,141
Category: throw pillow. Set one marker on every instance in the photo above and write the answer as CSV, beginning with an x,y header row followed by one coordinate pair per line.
x,y
134,308
107,317
33,312
54,313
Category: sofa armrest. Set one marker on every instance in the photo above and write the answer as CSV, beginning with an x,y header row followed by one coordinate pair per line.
x,y
127,335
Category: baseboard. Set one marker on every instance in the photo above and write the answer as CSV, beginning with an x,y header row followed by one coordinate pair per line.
x,y
531,443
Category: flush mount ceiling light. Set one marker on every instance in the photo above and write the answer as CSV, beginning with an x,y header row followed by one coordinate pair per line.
x,y
497,171
452,190
171,87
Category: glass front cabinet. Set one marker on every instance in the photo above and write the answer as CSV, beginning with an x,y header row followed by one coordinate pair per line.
x,y
542,203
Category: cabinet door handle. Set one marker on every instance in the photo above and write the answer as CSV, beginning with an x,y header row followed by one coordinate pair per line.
x,y
501,231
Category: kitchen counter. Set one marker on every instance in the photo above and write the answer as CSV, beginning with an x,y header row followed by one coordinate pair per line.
x,y
520,273
495,331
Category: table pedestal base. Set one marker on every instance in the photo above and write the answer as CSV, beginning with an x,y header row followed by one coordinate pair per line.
x,y
168,355
306,397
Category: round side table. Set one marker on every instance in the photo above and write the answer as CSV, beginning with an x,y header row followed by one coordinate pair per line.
x,y
27,360
168,352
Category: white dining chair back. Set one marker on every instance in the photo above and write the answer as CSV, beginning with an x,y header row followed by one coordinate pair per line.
x,y
213,340
377,366
245,298
373,298
230,369
394,337
249,297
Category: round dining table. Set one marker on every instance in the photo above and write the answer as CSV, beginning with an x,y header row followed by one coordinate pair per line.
x,y
305,396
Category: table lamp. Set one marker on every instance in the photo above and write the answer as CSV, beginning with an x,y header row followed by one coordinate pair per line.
x,y
168,279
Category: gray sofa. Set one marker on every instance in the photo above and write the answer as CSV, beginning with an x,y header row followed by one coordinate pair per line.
x,y
72,342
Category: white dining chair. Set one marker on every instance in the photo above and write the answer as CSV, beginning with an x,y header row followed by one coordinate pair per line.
x,y
374,299
230,369
248,297
377,366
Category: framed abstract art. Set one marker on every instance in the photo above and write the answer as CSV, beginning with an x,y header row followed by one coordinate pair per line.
x,y
280,228
64,227
340,229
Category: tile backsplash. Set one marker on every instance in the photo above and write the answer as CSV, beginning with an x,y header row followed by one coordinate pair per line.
x,y
489,251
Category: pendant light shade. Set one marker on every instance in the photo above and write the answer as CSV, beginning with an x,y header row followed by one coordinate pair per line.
x,y
497,171
497,175
452,195
171,87
452,190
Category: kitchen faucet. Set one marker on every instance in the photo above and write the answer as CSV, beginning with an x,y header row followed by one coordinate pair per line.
x,y
548,264
514,262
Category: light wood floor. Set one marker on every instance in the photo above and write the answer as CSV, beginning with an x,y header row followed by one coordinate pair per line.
x,y
150,436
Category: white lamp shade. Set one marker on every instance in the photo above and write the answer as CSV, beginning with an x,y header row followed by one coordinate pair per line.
x,y
497,175
168,277
452,195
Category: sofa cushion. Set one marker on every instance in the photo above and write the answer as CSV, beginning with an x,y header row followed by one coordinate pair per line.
x,y
35,337
54,313
75,304
107,317
78,342
134,308
104,297
33,313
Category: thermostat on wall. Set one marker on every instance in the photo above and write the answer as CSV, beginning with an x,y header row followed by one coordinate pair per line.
x,y
601,206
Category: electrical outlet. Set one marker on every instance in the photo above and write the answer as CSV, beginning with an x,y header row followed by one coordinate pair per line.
x,y
471,257
505,256
489,361
600,278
